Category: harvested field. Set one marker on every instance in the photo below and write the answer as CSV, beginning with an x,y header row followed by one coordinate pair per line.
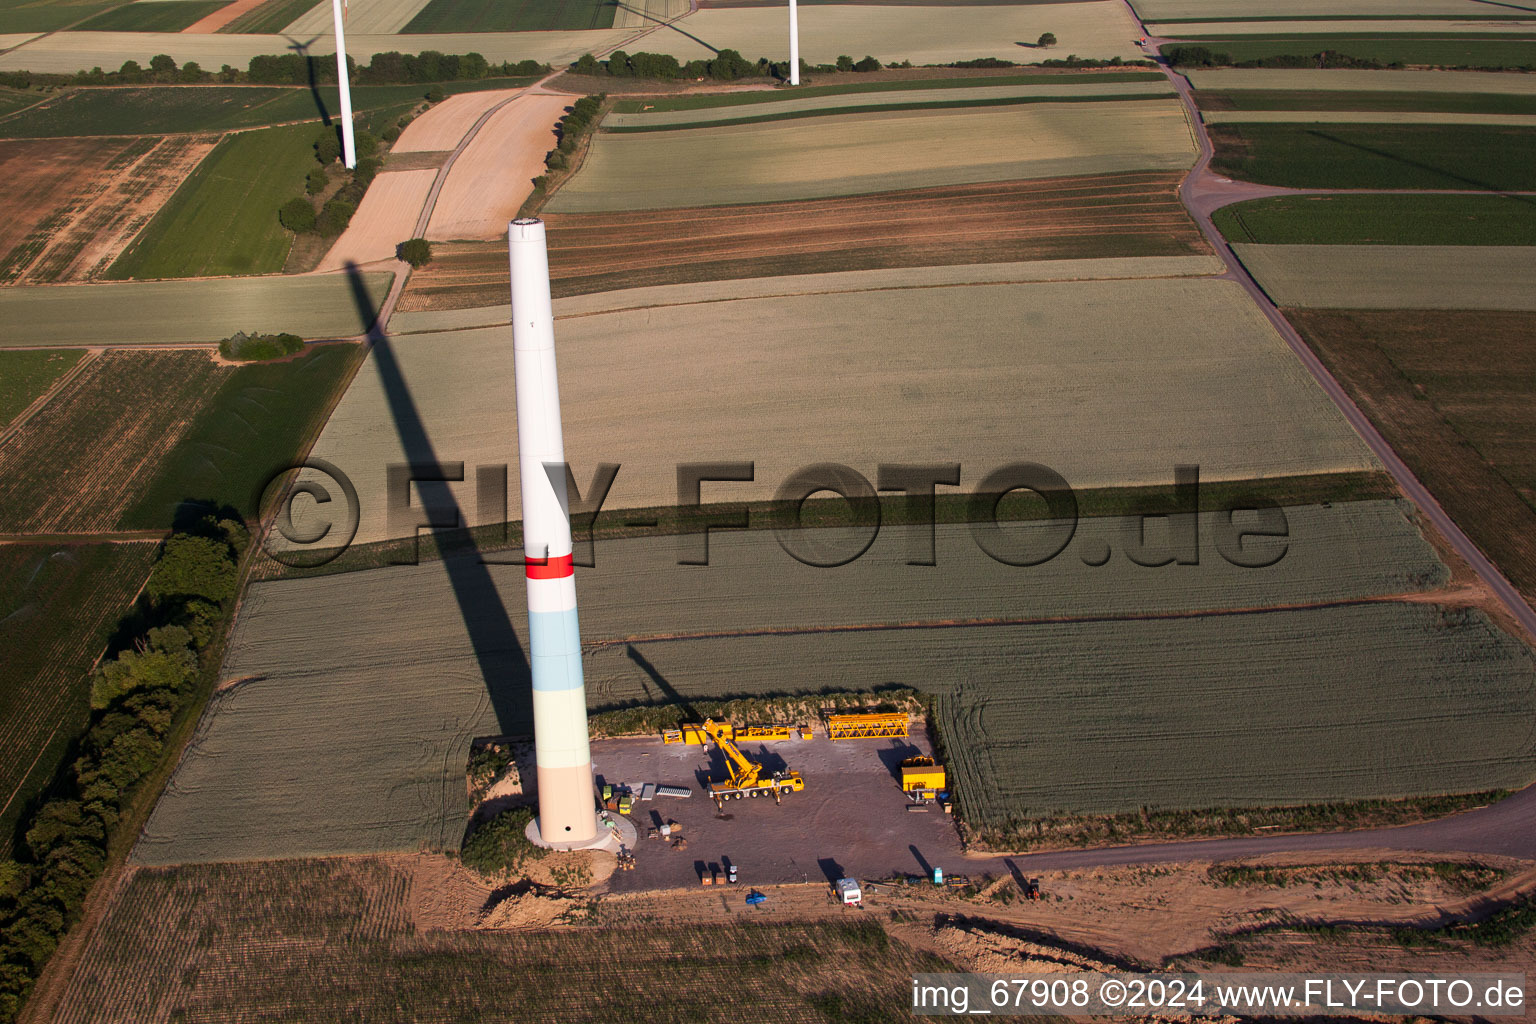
x,y
382,17
243,930
1456,157
835,155
91,219
1040,88
1056,391
1364,81
308,655
58,608
519,16
386,217
1395,276
227,12
261,417
1381,220
153,313
923,35
223,218
79,463
443,126
267,15
76,51
493,176
1452,393
1163,10
152,16
26,376
647,13
1124,215
1366,117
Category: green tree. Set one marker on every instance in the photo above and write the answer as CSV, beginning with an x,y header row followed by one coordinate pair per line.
x,y
163,65
415,251
845,63
586,64
191,72
297,215
867,64
315,181
366,143
149,669
334,218
618,64
131,71
192,566
1046,39
328,145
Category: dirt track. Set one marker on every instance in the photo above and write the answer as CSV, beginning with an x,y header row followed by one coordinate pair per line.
x,y
495,173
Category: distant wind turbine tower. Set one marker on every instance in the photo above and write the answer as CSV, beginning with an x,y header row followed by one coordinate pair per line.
x,y
794,44
348,144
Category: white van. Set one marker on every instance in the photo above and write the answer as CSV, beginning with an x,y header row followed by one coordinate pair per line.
x,y
848,890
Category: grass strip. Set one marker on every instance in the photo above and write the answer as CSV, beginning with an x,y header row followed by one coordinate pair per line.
x,y
791,115
151,17
1381,220
827,513
703,101
1366,100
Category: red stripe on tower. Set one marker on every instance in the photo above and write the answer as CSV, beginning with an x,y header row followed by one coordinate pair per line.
x,y
550,568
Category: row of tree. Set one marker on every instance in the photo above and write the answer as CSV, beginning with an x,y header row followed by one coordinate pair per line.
x,y
299,215
1205,57
578,121
136,697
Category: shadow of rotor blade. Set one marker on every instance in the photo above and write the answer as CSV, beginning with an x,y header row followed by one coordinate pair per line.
x,y
499,654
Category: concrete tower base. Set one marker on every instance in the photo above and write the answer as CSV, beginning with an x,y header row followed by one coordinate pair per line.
x,y
622,835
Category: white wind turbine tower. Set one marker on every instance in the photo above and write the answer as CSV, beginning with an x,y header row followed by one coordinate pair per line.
x,y
348,145
794,44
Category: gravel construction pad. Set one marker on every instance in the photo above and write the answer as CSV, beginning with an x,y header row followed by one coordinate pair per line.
x,y
850,820
835,154
185,312
1395,276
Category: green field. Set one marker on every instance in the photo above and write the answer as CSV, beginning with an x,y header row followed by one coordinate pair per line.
x,y
223,219
330,940
11,101
514,16
47,15
1477,157
1464,49
272,16
26,374
252,426
166,16
702,101
58,608
167,110
1381,220
1361,100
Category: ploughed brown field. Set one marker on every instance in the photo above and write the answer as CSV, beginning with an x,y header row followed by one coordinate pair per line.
x,y
70,206
1453,392
1132,214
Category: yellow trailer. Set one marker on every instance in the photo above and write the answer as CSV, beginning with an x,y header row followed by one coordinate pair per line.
x,y
921,774
693,734
767,733
866,727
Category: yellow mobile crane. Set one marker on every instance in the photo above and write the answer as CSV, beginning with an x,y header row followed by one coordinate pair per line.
x,y
746,776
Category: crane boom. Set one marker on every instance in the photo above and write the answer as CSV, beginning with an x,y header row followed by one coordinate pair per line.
x,y
744,771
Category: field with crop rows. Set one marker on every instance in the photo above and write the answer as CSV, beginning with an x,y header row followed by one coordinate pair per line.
x,y
1268,101
79,462
331,693
58,608
519,16
1381,220
92,219
255,424
1266,710
1121,215
46,15
1357,117
214,941
24,376
1378,156
1395,276
150,313
924,35
849,154
382,17
1062,391
152,16
1452,392
223,219
1363,81
1038,89
1168,10
1462,49
269,16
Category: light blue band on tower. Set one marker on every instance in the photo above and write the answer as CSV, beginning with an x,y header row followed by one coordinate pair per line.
x,y
555,650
